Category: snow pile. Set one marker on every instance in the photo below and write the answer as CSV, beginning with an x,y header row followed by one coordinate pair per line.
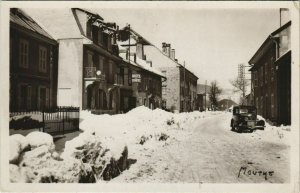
x,y
32,159
101,151
17,144
139,126
84,160
37,139
274,134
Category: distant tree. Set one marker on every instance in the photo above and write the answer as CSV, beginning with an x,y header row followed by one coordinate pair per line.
x,y
215,91
240,86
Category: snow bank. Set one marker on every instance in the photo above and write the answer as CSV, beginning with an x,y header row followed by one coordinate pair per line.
x,y
101,151
139,126
17,144
275,134
37,139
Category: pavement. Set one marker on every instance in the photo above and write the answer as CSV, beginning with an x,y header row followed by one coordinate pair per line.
x,y
212,154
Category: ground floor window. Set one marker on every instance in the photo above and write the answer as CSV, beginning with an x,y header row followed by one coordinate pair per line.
x,y
272,106
43,99
32,97
24,96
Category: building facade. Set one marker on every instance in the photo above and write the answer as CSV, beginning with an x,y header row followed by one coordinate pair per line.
x,y
92,75
33,64
271,77
179,91
146,80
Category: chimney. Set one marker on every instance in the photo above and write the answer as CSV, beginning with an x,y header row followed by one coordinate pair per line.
x,y
172,55
284,16
168,50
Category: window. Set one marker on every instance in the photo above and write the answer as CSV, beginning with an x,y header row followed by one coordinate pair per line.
x,y
261,104
101,64
109,40
164,90
272,69
272,106
266,73
43,99
29,97
110,72
261,71
23,53
90,59
129,77
42,59
89,30
256,103
24,97
100,37
255,78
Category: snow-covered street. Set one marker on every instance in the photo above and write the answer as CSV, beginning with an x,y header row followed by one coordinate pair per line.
x,y
212,153
147,145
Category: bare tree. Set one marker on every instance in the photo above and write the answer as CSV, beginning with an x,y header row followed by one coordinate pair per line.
x,y
240,85
215,91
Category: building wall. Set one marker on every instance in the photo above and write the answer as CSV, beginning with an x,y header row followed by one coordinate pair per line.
x,y
30,87
172,87
70,72
188,91
265,87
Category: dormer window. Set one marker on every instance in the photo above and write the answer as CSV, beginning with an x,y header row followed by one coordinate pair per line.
x,y
89,30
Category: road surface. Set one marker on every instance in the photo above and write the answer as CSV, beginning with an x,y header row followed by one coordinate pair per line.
x,y
213,154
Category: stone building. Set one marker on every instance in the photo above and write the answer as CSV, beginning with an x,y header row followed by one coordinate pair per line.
x,y
271,76
179,91
33,64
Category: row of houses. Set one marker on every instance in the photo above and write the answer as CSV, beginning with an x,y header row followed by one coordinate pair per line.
x,y
72,57
271,74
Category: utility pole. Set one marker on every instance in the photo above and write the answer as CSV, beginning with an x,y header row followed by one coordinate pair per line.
x,y
129,42
205,94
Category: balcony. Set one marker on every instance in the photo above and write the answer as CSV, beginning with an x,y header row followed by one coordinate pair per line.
x,y
90,73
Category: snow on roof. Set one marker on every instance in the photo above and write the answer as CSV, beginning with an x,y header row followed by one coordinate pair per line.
x,y
141,64
59,22
147,66
159,59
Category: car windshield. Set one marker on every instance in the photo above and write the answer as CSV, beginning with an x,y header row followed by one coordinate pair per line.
x,y
247,111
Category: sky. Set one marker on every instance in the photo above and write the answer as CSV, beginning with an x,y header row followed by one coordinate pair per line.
x,y
212,42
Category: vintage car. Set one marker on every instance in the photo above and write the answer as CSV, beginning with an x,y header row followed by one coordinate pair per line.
x,y
245,119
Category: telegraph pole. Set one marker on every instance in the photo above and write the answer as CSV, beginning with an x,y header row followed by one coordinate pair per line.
x,y
205,94
129,43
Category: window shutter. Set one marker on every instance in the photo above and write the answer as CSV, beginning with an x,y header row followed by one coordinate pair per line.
x,y
38,97
47,97
29,97
19,96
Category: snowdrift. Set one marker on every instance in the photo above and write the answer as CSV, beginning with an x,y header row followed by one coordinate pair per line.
x,y
101,151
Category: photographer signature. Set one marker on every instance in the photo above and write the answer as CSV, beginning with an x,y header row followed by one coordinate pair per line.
x,y
250,172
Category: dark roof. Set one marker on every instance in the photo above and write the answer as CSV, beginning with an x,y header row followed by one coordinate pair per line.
x,y
20,18
266,44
